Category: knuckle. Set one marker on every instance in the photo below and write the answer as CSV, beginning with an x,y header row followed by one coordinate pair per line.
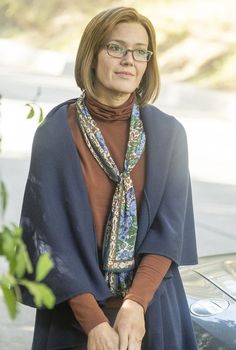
x,y
122,327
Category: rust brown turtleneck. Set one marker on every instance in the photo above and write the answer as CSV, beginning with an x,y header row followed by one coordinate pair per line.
x,y
114,125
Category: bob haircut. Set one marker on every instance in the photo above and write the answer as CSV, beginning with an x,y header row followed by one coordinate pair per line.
x,y
93,39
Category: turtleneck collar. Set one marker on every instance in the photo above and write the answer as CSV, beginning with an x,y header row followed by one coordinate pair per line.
x,y
103,112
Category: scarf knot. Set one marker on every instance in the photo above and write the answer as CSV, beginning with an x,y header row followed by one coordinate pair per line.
x,y
124,175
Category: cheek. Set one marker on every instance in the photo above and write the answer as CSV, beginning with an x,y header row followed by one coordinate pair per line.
x,y
99,68
103,68
141,71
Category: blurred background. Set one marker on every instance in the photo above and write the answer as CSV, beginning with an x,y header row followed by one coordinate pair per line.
x,y
197,56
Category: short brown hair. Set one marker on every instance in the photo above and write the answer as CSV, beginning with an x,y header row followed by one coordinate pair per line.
x,y
93,38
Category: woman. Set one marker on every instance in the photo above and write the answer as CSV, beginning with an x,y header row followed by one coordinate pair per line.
x,y
109,196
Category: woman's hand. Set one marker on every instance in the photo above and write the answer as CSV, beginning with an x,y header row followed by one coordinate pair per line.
x,y
130,325
103,337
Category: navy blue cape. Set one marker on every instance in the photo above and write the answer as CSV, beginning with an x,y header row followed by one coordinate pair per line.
x,y
56,218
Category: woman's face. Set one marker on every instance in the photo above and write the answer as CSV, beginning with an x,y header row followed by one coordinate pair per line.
x,y
116,78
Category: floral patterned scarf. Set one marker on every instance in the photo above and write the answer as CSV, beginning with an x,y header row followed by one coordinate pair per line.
x,y
121,229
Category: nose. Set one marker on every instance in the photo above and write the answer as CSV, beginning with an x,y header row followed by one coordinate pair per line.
x,y
128,58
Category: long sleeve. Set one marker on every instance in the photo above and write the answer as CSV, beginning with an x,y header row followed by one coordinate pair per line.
x,y
87,311
148,277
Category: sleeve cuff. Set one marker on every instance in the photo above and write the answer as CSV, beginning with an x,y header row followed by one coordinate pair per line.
x,y
87,311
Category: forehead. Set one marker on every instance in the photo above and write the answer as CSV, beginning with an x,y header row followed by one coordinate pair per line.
x,y
130,33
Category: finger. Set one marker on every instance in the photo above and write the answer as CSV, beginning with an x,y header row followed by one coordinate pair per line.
x,y
138,345
134,344
90,346
123,341
131,344
111,346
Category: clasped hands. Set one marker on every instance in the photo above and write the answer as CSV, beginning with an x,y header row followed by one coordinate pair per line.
x,y
126,334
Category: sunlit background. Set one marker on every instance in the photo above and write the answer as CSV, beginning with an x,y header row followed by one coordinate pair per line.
x,y
196,50
197,56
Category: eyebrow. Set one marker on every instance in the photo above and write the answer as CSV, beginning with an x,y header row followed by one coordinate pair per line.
x,y
124,42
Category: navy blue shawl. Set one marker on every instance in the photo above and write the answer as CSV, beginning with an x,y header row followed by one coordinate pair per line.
x,y
56,216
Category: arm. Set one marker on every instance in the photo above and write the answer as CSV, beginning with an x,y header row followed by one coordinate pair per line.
x,y
130,322
87,311
171,236
94,323
148,277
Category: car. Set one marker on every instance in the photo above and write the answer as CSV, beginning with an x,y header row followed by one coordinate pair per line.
x,y
210,287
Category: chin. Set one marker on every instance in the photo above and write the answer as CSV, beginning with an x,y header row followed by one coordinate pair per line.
x,y
127,90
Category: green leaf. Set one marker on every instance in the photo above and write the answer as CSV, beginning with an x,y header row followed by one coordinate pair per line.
x,y
44,266
22,261
31,111
9,280
1,250
41,293
10,300
28,264
41,117
9,297
17,230
34,291
8,244
20,264
48,298
3,197
18,293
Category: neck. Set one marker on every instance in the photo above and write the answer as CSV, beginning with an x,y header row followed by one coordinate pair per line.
x,y
116,101
106,112
113,99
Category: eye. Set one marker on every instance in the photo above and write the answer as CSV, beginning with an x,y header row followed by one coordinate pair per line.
x,y
115,48
141,52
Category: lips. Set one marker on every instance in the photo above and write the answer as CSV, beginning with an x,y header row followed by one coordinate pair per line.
x,y
124,73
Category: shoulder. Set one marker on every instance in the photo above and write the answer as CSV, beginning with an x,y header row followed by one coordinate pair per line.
x,y
59,109
54,129
55,118
159,121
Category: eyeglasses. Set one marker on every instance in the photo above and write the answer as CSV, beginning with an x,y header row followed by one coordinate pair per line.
x,y
118,51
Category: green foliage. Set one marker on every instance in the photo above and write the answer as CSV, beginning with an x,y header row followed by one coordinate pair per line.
x,y
14,250
44,266
7,284
3,198
32,113
43,295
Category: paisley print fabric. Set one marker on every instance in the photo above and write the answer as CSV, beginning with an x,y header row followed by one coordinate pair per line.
x,y
121,229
